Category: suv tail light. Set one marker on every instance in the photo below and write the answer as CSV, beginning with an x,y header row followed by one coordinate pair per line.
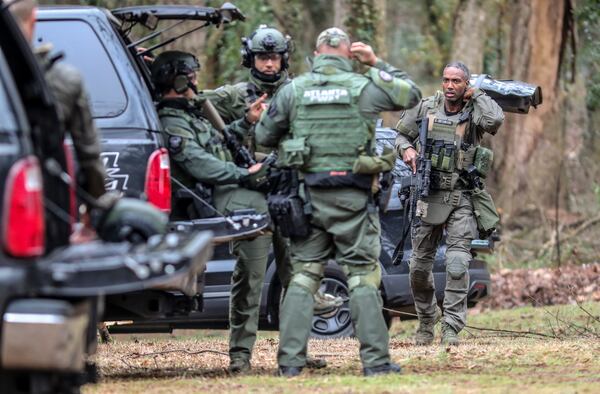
x,y
158,180
23,224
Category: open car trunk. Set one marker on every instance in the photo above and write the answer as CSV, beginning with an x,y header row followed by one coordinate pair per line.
x,y
167,262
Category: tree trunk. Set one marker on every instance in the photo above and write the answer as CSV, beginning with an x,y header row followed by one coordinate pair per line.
x,y
529,148
469,36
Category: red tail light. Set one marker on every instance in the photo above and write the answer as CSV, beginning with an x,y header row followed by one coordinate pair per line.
x,y
71,172
158,180
23,224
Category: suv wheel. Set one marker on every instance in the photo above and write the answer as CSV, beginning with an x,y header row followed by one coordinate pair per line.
x,y
337,323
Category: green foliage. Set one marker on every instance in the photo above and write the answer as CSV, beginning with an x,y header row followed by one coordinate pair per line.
x,y
362,21
588,18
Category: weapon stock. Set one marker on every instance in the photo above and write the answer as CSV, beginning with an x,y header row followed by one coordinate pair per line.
x,y
241,154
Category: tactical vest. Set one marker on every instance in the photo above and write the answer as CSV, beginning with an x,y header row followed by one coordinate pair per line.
x,y
328,130
445,148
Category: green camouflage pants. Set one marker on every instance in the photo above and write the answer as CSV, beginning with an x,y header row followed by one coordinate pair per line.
x,y
247,283
461,228
342,228
281,251
249,273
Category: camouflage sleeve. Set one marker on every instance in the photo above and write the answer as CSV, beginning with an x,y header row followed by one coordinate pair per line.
x,y
487,114
74,110
193,158
228,100
274,123
241,128
390,89
407,127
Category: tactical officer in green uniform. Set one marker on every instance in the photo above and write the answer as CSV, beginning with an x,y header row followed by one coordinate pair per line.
x,y
324,123
199,155
457,119
265,52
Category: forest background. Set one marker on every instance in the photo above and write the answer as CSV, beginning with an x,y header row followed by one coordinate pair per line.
x,y
546,178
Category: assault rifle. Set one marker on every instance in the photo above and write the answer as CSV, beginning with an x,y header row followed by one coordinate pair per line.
x,y
241,155
413,188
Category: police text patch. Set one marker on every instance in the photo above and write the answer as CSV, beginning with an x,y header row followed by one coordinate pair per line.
x,y
326,96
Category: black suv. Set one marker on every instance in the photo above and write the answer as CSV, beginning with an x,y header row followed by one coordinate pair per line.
x,y
51,295
97,42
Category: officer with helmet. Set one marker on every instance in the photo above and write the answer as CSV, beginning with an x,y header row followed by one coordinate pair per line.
x,y
266,54
199,155
323,124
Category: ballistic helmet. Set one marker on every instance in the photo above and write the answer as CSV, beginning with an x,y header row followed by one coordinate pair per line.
x,y
265,40
130,220
174,69
333,37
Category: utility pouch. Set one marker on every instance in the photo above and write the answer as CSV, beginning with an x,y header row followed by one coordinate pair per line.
x,y
287,208
436,208
443,180
366,164
465,158
293,152
288,212
442,155
483,161
485,212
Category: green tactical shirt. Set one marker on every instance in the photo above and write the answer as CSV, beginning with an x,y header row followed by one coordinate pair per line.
x,y
376,97
486,117
232,102
197,151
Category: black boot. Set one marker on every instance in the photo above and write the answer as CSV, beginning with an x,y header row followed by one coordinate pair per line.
x,y
289,372
382,369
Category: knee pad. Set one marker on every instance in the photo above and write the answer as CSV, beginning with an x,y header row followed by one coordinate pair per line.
x,y
308,275
420,279
368,275
457,264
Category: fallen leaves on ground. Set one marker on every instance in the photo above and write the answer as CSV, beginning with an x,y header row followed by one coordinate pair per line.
x,y
544,286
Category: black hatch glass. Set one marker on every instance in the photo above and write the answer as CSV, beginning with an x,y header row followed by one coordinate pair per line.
x,y
84,50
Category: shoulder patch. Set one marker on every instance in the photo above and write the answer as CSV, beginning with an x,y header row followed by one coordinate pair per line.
x,y
175,144
385,77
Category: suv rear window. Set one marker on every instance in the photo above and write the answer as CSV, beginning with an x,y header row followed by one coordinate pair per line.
x,y
84,50
8,120
7,117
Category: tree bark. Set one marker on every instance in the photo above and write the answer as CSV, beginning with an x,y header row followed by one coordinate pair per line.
x,y
469,36
529,148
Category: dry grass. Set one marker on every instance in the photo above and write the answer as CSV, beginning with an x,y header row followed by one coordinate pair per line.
x,y
483,362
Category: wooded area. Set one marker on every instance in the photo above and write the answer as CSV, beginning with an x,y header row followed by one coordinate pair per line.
x,y
547,176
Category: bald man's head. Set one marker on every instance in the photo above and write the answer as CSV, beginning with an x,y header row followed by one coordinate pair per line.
x,y
24,13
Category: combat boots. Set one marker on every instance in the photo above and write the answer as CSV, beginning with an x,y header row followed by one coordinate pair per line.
x,y
425,333
238,366
449,335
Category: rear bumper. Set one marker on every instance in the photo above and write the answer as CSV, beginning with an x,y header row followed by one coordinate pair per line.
x,y
45,335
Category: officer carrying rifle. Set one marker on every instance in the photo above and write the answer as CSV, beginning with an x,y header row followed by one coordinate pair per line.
x,y
451,165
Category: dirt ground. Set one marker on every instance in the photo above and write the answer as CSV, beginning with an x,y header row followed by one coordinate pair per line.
x,y
549,349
